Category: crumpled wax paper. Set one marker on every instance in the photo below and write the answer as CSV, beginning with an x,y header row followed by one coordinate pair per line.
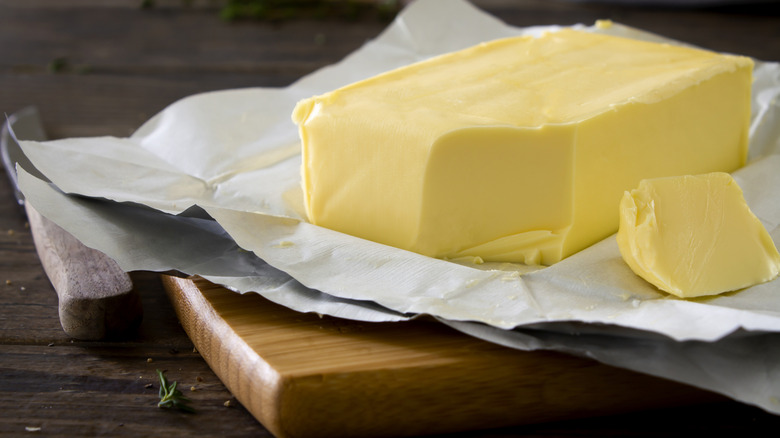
x,y
211,186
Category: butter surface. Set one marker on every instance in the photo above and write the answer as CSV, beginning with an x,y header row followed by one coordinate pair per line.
x,y
518,149
694,236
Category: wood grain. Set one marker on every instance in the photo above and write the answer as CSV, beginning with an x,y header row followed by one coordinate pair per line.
x,y
96,298
302,375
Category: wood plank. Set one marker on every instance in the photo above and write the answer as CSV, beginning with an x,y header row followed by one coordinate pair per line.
x,y
135,40
111,390
123,64
302,375
95,105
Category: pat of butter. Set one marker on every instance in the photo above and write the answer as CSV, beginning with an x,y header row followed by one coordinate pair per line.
x,y
519,149
695,235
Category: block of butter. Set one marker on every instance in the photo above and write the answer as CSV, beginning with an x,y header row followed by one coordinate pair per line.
x,y
695,235
518,149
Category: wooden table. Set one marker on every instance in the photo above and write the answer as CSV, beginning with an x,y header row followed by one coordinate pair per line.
x,y
102,68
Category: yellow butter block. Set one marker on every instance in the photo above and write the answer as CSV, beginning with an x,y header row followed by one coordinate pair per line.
x,y
519,149
695,235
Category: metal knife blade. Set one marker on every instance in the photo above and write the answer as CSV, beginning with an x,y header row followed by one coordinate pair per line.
x,y
96,297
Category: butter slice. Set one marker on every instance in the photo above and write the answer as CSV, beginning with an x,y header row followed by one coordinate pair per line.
x,y
519,149
695,235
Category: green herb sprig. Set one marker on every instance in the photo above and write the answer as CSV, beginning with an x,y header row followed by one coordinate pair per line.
x,y
170,397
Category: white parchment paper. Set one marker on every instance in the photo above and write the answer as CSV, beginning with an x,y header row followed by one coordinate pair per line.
x,y
211,186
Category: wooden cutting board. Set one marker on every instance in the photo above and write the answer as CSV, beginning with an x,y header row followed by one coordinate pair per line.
x,y
302,375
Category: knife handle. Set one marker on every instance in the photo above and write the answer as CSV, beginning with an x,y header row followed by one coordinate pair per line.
x,y
96,297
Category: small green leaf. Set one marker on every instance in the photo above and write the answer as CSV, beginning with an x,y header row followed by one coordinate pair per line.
x,y
170,397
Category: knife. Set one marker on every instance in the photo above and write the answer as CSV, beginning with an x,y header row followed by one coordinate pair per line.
x,y
97,299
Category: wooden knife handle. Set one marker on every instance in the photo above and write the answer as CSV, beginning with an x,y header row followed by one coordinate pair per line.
x,y
96,297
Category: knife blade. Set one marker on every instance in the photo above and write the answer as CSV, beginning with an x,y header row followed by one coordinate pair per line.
x,y
96,298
